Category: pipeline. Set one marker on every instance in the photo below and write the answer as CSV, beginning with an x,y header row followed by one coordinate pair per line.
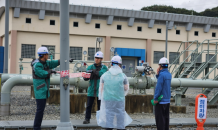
x,y
5,77
27,80
136,82
183,82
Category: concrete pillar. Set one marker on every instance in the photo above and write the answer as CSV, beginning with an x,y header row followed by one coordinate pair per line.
x,y
149,50
13,58
107,56
1,41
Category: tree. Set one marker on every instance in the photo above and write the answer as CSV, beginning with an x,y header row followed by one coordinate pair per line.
x,y
170,9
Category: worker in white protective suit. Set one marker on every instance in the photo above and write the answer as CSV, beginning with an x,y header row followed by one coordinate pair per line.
x,y
114,86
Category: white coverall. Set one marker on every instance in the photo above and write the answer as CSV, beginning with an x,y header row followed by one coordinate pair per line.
x,y
113,88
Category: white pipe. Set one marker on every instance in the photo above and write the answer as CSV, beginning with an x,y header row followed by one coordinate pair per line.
x,y
25,80
5,76
182,82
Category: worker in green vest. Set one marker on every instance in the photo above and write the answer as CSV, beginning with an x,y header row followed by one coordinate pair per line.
x,y
41,71
96,70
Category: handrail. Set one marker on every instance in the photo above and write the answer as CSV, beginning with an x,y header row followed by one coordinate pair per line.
x,y
195,60
180,55
190,65
192,53
210,72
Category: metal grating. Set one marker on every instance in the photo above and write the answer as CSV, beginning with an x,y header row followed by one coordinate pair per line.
x,y
180,24
99,17
214,27
34,12
173,56
198,25
24,11
76,53
120,19
141,21
160,22
52,13
157,56
91,53
28,50
49,13
50,48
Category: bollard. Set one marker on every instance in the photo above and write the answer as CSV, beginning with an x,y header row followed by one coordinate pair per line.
x,y
200,110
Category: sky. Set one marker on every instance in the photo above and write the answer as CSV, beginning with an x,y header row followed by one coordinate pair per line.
x,y
197,5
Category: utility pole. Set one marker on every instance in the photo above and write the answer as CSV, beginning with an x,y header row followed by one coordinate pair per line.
x,y
65,123
166,39
6,36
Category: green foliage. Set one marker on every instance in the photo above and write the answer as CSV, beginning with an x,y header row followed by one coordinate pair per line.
x,y
170,9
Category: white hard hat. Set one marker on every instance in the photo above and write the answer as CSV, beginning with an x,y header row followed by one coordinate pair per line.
x,y
99,54
42,50
164,60
116,59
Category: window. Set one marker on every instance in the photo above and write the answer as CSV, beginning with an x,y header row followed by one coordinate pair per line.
x,y
210,56
50,49
173,56
91,53
52,22
76,53
75,24
97,25
28,20
158,30
196,33
28,51
157,56
119,27
178,32
194,56
139,29
213,34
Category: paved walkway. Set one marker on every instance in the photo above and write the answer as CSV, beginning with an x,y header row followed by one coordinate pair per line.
x,y
93,123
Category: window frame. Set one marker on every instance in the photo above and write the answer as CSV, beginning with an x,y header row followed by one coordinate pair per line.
x,y
158,58
47,46
171,60
77,24
28,57
76,47
195,32
213,33
52,21
160,30
96,24
29,19
90,57
138,28
179,32
213,60
197,59
119,26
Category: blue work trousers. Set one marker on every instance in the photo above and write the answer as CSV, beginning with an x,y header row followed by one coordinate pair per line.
x,y
39,113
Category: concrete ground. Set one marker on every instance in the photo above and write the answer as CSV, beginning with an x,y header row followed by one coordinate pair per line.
x,y
23,109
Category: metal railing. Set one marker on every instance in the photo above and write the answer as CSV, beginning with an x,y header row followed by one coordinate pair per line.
x,y
194,58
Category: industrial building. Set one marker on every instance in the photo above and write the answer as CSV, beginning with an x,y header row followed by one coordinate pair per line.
x,y
136,35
